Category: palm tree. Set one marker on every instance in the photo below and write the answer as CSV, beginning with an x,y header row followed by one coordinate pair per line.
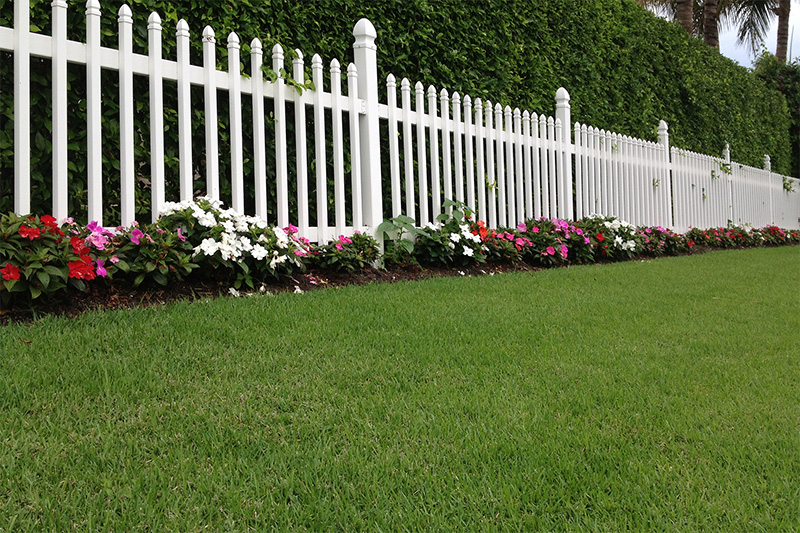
x,y
752,17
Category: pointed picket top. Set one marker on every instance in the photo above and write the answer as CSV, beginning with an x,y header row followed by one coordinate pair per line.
x,y
526,115
316,61
478,104
517,113
550,121
405,84
419,87
431,90
153,21
335,67
391,82
208,35
93,8
124,13
444,94
352,70
498,108
233,41
182,29
468,101
300,58
256,47
584,129
534,117
277,51
456,98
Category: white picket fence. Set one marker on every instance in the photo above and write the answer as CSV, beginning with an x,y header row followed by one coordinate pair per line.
x,y
507,165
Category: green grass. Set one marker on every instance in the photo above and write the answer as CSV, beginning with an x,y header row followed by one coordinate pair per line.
x,y
659,395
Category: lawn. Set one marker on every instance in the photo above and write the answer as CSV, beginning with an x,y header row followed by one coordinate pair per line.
x,y
648,395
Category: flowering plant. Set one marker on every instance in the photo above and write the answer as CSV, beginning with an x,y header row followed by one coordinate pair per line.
x,y
613,238
450,241
37,257
345,253
235,246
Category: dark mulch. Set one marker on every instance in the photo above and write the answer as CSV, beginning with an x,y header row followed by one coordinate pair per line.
x,y
105,295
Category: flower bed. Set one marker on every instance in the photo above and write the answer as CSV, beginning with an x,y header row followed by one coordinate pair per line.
x,y
200,242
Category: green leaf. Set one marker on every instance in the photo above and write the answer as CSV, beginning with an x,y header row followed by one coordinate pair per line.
x,y
44,278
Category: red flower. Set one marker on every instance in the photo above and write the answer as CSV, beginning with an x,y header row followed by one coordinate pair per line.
x,y
30,233
9,272
82,269
690,243
49,221
79,246
600,237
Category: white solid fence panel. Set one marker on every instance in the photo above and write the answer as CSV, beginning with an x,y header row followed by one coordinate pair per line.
x,y
507,165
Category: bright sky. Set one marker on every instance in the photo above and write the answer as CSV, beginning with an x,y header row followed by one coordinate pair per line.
x,y
742,55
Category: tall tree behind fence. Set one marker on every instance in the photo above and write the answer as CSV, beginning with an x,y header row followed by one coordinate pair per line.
x,y
338,161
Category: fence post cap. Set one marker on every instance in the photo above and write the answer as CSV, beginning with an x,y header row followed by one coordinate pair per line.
x,y
562,94
365,34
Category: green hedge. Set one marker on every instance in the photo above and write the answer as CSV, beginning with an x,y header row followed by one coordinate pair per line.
x,y
625,69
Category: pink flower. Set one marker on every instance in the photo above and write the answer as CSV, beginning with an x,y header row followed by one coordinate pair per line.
x,y
586,240
300,253
551,251
338,246
522,227
290,229
520,242
114,259
564,251
136,235
181,237
101,271
535,229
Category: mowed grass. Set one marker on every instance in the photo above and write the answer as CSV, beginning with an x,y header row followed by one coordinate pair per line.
x,y
659,395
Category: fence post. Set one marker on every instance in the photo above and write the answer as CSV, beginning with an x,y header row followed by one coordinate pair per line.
x,y
768,168
666,174
726,155
366,60
22,108
563,113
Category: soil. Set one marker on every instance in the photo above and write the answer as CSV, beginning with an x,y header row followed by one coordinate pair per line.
x,y
105,295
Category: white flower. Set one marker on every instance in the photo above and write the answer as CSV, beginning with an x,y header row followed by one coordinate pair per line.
x,y
451,245
283,239
298,290
233,292
468,251
258,252
208,247
618,240
207,220
455,237
431,226
228,225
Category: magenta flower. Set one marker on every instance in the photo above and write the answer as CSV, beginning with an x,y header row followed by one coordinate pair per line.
x,y
338,246
535,229
586,240
101,271
114,259
181,237
290,229
520,242
551,250
136,235
564,251
522,227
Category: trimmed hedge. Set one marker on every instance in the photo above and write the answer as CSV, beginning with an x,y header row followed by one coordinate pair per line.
x,y
625,69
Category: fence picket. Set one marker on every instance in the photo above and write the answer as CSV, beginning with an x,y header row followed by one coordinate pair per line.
x,y
338,143
469,138
458,131
184,111
421,155
408,155
447,156
301,145
211,123
235,123
319,150
433,138
355,148
94,139
394,149
59,121
281,155
259,131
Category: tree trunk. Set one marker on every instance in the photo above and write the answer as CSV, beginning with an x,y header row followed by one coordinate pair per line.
x,y
783,11
711,23
683,14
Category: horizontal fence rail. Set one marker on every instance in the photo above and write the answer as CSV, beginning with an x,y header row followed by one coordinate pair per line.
x,y
339,160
